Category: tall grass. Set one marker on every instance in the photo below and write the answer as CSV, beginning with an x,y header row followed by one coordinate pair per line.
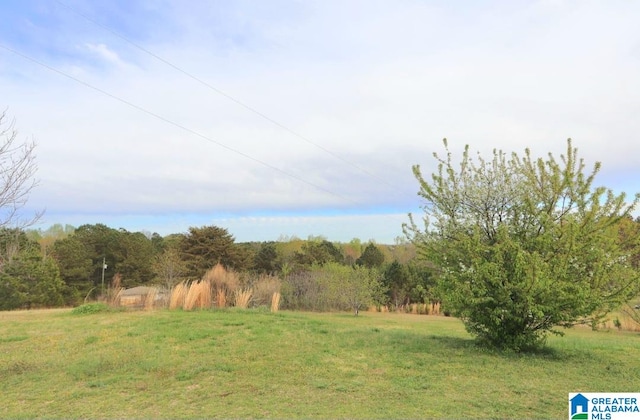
x,y
150,298
178,293
242,298
114,292
214,287
221,298
275,302
433,308
264,286
626,319
198,296
221,279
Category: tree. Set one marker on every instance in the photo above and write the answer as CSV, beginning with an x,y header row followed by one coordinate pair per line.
x,y
17,175
27,280
267,260
75,261
396,278
136,257
204,247
318,252
629,234
80,257
371,257
352,251
523,245
350,287
169,268
48,237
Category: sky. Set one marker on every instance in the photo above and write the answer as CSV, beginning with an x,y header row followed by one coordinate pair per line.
x,y
286,118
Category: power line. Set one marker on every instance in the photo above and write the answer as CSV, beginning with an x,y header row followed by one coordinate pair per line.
x,y
226,95
178,125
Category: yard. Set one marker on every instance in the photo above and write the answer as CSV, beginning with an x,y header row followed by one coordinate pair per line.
x,y
251,363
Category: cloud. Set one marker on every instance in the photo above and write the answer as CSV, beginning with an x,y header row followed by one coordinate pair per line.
x,y
104,53
376,84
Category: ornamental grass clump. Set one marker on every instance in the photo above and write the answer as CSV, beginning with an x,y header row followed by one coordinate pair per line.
x,y
221,298
223,283
242,298
275,302
178,293
264,286
114,292
150,298
198,296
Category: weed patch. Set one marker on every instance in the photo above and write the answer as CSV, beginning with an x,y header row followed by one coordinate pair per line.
x,y
91,308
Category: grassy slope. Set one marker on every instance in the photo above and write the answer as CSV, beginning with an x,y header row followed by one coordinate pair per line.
x,y
252,364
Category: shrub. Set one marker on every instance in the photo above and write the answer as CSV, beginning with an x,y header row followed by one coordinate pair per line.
x,y
91,308
263,289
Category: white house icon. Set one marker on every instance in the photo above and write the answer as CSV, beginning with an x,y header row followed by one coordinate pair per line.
x,y
579,406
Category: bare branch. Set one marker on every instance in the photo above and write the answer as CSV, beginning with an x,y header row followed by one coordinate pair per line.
x,y
17,175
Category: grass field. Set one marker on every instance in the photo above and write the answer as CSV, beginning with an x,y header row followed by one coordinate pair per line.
x,y
230,364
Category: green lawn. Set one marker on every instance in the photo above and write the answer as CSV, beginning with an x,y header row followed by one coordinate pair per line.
x,y
243,364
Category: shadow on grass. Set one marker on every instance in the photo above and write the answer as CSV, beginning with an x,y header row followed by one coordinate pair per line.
x,y
411,343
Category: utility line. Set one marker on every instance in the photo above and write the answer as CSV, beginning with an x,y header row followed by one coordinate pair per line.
x,y
180,126
171,122
228,96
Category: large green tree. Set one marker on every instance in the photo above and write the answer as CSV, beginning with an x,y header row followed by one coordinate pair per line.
x,y
204,247
27,278
318,251
523,245
80,257
267,260
371,257
353,287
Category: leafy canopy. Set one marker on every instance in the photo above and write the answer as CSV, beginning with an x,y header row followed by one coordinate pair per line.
x,y
523,245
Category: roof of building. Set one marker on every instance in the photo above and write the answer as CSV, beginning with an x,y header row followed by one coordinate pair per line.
x,y
139,290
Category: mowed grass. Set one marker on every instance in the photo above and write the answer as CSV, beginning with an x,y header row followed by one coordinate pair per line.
x,y
247,363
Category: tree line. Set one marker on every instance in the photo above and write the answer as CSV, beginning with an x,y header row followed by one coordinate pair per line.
x,y
70,265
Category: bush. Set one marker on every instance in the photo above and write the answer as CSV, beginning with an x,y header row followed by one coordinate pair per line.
x,y
91,308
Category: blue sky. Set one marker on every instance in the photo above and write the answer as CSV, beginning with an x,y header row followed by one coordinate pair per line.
x,y
359,92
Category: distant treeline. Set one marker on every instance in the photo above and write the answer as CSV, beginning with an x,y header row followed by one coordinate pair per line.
x,y
64,266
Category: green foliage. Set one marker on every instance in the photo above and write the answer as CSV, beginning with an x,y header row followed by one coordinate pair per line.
x,y
27,280
396,279
91,308
523,245
371,257
204,247
267,260
408,283
80,257
333,286
318,252
135,257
